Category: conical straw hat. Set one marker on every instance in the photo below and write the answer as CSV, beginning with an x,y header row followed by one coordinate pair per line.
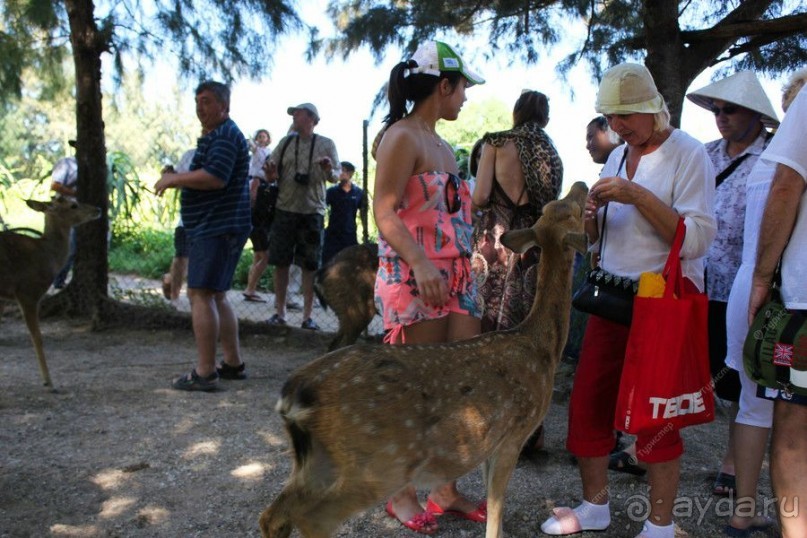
x,y
742,88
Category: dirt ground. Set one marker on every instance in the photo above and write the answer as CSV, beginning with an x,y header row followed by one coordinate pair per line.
x,y
114,451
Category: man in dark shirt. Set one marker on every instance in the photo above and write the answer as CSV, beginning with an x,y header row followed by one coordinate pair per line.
x,y
344,201
216,216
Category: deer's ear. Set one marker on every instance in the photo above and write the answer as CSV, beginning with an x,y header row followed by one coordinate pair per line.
x,y
36,205
577,241
519,240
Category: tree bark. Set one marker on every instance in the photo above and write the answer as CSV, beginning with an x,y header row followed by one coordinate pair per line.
x,y
664,50
700,55
88,287
673,60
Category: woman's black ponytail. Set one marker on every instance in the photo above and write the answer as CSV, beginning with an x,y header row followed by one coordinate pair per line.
x,y
397,92
412,88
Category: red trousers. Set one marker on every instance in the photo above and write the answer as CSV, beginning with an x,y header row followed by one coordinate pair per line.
x,y
594,395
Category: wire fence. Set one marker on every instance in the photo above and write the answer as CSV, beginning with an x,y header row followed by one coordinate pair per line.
x,y
150,293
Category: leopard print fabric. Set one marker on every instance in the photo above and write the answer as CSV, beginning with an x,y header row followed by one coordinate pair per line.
x,y
506,280
543,170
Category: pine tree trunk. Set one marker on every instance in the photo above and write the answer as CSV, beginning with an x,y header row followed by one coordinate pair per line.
x,y
88,286
673,65
664,49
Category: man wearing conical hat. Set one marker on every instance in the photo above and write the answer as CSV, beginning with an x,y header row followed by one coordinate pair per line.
x,y
742,112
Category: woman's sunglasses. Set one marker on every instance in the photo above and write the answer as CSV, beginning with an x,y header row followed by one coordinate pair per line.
x,y
728,110
453,203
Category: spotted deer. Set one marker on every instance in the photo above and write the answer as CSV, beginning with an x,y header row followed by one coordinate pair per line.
x,y
28,264
346,284
366,421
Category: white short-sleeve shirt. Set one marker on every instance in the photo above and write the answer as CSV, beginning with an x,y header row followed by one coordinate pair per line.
x,y
789,147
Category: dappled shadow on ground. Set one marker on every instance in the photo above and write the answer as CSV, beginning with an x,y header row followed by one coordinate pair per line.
x,y
115,452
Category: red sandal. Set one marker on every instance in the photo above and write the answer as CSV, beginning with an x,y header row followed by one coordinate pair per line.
x,y
480,515
424,522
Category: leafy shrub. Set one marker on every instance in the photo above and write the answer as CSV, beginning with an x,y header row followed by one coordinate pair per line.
x,y
142,251
242,272
147,252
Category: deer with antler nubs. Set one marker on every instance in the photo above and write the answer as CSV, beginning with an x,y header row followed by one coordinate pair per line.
x,y
366,421
28,264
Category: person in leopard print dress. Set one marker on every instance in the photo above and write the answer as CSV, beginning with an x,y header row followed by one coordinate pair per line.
x,y
519,172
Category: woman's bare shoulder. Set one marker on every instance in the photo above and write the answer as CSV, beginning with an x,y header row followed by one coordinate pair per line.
x,y
402,130
399,138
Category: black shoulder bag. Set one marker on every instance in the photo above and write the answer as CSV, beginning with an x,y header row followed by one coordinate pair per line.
x,y
604,294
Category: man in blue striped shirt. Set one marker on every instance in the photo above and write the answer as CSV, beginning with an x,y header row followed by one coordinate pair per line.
x,y
216,216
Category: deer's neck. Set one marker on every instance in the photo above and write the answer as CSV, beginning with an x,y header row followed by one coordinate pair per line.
x,y
547,324
55,240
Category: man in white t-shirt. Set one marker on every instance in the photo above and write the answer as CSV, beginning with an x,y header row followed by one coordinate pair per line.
x,y
172,280
783,234
64,180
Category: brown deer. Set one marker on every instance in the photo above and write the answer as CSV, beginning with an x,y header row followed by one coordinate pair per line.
x,y
347,284
28,265
366,421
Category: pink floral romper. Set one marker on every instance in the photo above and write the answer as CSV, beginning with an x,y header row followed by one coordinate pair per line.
x,y
426,210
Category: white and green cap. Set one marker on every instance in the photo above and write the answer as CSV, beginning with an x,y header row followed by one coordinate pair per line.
x,y
433,57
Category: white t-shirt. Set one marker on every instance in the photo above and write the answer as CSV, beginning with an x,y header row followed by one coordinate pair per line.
x,y
256,162
185,166
758,184
789,147
65,172
681,175
185,161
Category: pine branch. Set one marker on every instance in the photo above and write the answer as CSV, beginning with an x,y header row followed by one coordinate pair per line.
x,y
791,24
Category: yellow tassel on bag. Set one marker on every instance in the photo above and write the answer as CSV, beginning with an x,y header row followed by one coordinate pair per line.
x,y
651,285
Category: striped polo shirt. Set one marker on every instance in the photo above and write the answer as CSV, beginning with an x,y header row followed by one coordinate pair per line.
x,y
222,153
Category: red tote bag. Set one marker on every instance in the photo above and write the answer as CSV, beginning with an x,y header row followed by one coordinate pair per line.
x,y
666,378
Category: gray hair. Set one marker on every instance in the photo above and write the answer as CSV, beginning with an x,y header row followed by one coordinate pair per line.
x,y
218,89
792,87
661,119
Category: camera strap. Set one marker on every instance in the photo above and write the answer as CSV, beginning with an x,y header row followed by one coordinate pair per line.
x,y
310,153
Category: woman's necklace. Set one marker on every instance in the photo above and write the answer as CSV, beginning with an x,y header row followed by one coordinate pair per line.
x,y
437,140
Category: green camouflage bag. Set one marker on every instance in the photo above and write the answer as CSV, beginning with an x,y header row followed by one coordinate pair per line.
x,y
775,349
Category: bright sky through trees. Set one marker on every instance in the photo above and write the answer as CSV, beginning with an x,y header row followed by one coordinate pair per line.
x,y
343,91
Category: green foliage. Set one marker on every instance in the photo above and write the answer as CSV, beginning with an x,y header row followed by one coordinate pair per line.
x,y
142,134
475,120
140,250
6,175
690,35
147,252
34,131
527,29
123,185
152,131
207,38
15,212
27,43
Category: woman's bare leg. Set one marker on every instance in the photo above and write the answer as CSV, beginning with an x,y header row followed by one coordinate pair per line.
x,y
446,329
